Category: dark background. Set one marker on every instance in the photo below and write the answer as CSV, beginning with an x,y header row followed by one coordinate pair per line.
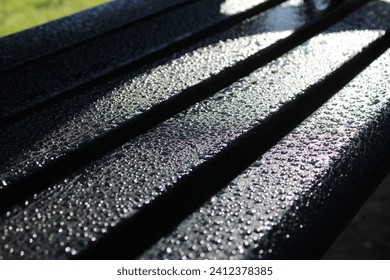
x,y
368,235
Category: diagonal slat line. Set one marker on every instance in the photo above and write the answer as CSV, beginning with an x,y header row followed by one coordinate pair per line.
x,y
160,53
66,165
167,211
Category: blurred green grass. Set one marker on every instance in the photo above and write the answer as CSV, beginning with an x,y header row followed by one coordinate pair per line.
x,y
17,15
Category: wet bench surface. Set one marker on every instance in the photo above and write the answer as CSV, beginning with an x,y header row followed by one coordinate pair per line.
x,y
194,130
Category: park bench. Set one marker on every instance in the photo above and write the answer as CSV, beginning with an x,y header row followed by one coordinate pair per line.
x,y
201,129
